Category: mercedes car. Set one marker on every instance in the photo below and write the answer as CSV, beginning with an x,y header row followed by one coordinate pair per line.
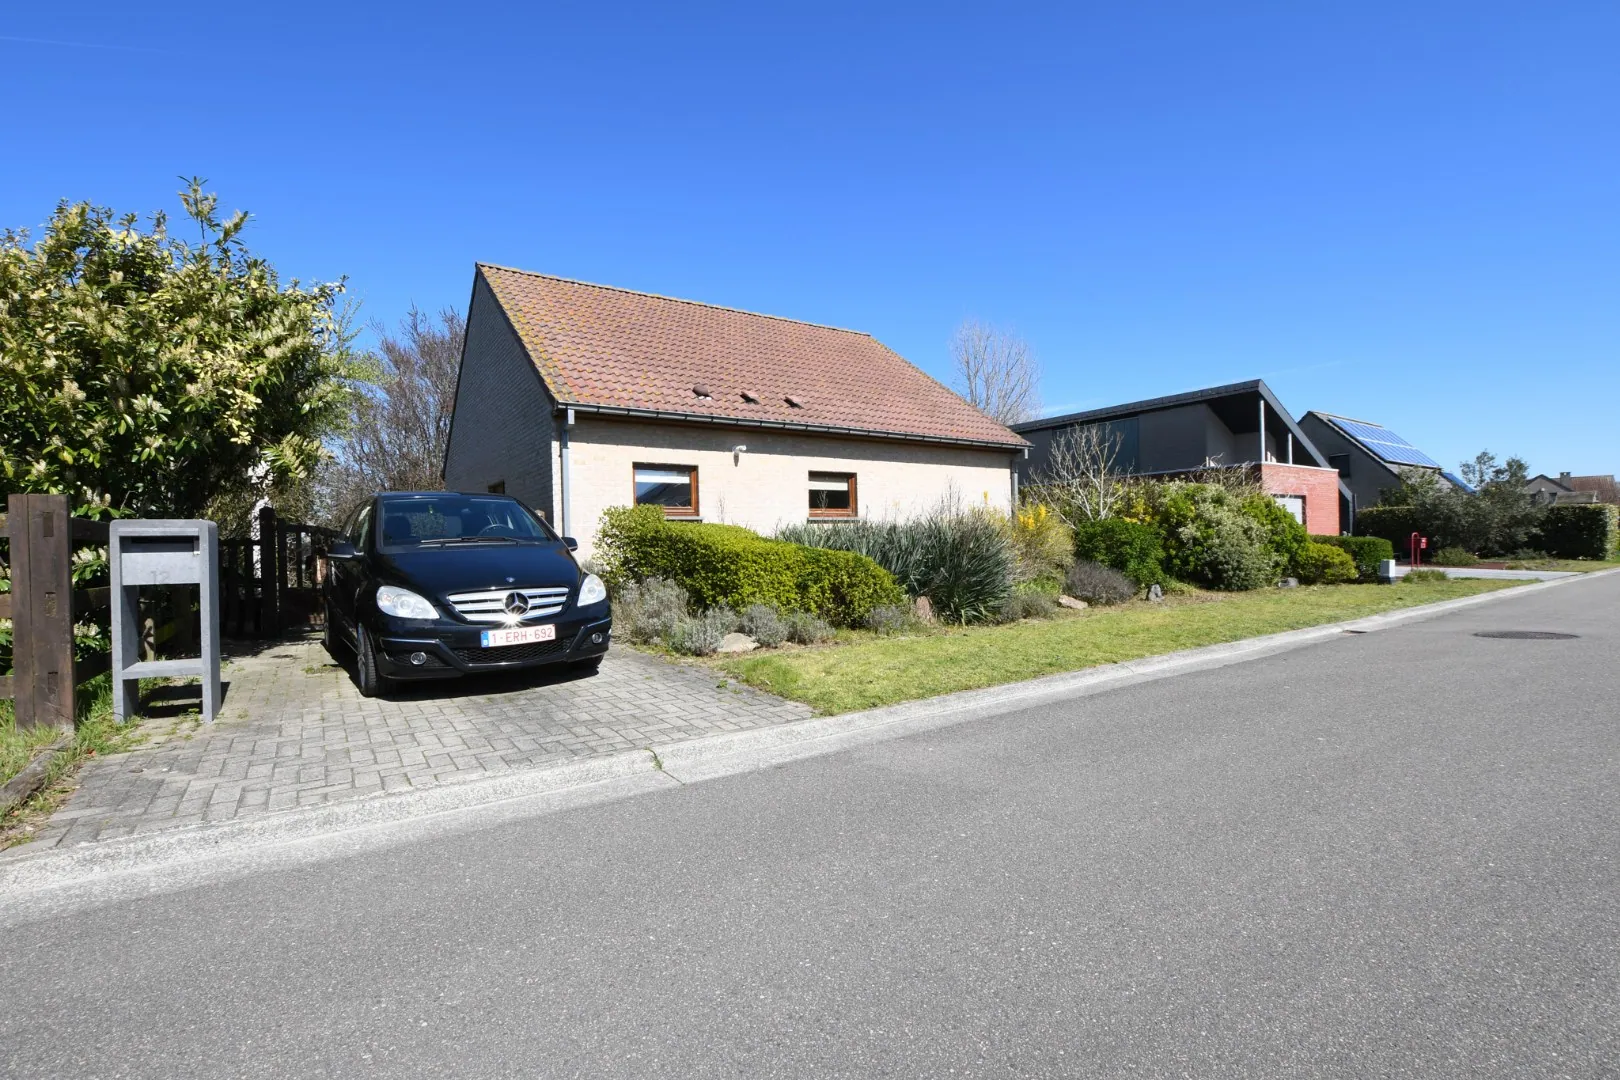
x,y
433,585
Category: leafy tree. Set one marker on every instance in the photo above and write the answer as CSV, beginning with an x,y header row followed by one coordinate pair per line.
x,y
1497,518
145,375
396,435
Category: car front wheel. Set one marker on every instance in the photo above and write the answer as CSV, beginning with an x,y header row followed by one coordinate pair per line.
x,y
372,682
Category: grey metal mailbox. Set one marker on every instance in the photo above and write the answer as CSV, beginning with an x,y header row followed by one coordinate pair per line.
x,y
162,553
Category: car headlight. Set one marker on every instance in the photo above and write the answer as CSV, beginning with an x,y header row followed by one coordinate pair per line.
x,y
404,604
591,590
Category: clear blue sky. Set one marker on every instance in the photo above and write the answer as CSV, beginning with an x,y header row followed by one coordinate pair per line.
x,y
1402,212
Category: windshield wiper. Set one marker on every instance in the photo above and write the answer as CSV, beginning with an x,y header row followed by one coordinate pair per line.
x,y
477,540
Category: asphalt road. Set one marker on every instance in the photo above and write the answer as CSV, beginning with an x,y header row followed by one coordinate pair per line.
x,y
1387,855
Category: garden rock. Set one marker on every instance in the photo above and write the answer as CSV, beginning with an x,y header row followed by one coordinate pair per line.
x,y
925,610
1071,602
1288,583
1155,593
736,643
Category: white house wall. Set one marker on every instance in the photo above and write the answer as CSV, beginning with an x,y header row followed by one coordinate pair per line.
x,y
768,484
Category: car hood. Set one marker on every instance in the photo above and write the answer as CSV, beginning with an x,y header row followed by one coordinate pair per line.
x,y
437,571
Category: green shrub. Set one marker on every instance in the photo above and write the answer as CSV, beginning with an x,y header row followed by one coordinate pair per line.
x,y
700,635
1042,545
891,619
963,562
1579,532
1395,524
1216,536
1131,547
1324,564
647,611
764,624
1454,556
731,566
1098,584
1366,551
1420,577
1285,536
804,628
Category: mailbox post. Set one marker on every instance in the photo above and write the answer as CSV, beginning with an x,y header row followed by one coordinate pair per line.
x,y
162,553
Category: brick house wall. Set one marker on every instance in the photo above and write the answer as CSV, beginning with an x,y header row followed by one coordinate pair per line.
x,y
1319,487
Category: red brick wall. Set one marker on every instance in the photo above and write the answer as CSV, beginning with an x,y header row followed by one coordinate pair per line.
x,y
1319,486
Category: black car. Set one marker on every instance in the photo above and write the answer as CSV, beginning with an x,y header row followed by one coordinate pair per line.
x,y
432,585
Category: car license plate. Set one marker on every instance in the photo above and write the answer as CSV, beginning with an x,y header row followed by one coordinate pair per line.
x,y
523,635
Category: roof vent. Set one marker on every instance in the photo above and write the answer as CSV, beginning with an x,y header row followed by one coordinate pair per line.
x,y
751,398
702,391
793,402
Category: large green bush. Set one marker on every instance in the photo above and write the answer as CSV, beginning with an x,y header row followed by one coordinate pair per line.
x,y
1393,524
1215,536
1579,532
731,566
1134,548
964,563
1324,564
1284,534
1366,551
1497,518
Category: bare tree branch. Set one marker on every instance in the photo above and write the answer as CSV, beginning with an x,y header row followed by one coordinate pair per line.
x,y
397,434
1081,478
996,372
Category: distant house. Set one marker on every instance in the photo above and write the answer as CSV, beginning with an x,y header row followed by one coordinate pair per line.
x,y
1241,425
577,397
1369,456
1565,490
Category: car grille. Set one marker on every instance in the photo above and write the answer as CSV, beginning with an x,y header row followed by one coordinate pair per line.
x,y
512,654
489,605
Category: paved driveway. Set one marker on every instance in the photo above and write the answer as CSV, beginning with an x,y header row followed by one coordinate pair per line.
x,y
295,732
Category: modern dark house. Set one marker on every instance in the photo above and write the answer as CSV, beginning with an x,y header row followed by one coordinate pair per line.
x,y
1241,425
1369,456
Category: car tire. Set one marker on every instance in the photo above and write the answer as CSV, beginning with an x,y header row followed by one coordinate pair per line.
x,y
329,638
372,682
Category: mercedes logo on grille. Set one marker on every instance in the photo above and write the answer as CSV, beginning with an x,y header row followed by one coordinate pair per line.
x,y
516,604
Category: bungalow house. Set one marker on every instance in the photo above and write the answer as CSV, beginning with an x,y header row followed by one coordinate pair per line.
x,y
1565,490
576,397
1241,425
1369,456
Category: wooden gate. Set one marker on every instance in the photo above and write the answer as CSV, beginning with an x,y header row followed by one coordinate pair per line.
x,y
271,584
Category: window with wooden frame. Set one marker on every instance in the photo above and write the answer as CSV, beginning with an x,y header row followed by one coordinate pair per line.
x,y
498,488
674,487
832,495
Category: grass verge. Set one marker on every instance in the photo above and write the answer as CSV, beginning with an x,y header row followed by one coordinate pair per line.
x,y
96,734
866,672
1580,566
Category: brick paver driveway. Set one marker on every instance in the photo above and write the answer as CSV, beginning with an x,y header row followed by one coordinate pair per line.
x,y
295,732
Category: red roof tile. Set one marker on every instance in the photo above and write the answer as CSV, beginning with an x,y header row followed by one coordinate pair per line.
x,y
600,346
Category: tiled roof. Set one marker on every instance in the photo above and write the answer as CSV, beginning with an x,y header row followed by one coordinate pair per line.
x,y
616,349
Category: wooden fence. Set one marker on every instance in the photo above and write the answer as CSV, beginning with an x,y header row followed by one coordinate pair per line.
x,y
43,607
268,585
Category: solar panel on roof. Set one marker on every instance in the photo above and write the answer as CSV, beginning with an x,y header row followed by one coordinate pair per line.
x,y
1386,444
1458,481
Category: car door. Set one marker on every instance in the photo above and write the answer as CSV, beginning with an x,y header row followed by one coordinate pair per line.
x,y
348,575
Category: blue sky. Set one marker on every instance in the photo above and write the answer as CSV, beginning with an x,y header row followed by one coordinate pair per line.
x,y
1403,212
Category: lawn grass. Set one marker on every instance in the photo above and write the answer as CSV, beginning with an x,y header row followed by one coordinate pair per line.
x,y
867,671
1580,566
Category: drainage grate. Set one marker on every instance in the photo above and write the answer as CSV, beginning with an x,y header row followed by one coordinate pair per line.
x,y
1527,635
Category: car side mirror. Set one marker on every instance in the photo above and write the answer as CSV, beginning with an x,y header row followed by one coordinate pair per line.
x,y
342,549
573,545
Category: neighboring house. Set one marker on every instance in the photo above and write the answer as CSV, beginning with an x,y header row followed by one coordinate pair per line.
x,y
577,397
1242,425
1368,456
1567,489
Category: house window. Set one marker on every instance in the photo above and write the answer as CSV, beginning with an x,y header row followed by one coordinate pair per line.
x,y
1340,462
832,494
1294,504
674,487
498,488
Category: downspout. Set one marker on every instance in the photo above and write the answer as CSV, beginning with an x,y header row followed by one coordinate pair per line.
x,y
563,512
1290,448
1262,432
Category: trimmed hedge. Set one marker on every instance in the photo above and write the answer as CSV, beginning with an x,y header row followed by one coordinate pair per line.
x,y
731,566
1367,551
1393,523
1587,531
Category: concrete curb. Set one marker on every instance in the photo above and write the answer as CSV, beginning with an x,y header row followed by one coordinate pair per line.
x,y
166,860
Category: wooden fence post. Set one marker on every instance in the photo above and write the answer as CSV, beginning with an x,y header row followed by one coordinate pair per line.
x,y
41,528
269,573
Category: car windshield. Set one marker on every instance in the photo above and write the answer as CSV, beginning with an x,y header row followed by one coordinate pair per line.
x,y
430,521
